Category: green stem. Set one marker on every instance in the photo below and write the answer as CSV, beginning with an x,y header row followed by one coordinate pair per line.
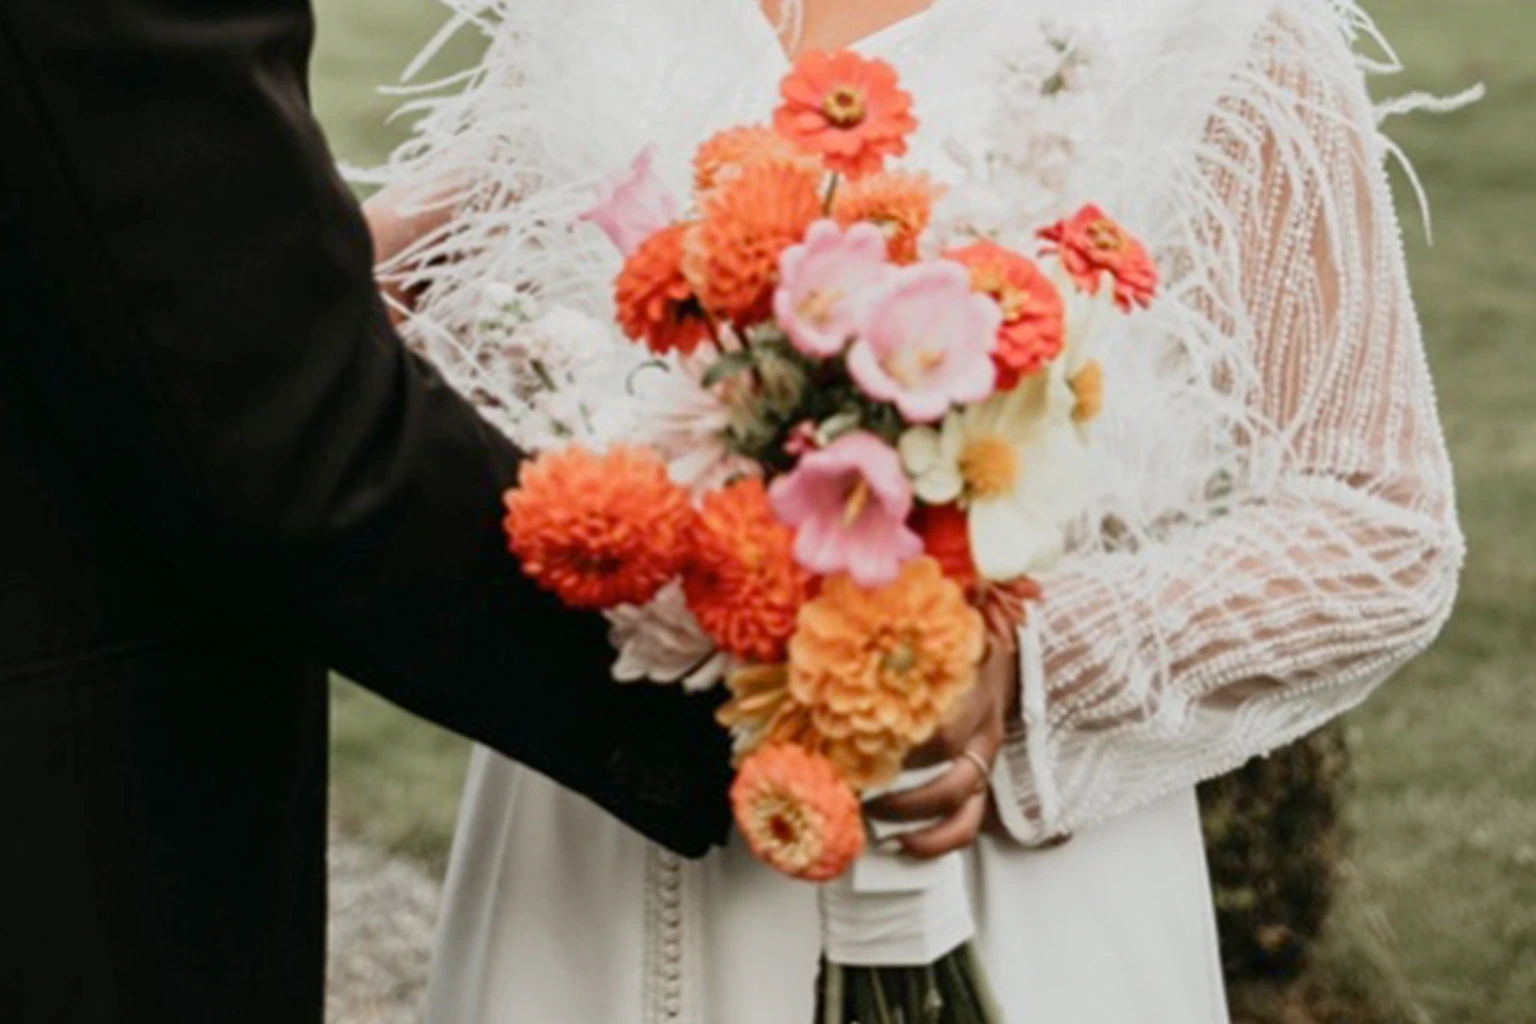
x,y
832,184
542,372
882,1007
833,994
982,984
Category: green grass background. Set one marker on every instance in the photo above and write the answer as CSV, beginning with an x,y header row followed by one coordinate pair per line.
x,y
1440,913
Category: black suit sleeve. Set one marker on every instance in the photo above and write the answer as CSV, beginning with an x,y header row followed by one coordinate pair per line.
x,y
227,377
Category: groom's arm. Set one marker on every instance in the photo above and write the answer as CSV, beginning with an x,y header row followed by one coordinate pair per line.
x,y
187,288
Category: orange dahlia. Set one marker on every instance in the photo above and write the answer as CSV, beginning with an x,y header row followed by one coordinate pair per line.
x,y
946,534
1034,318
898,203
1091,245
598,530
733,254
761,710
741,579
847,109
655,302
722,159
797,814
880,670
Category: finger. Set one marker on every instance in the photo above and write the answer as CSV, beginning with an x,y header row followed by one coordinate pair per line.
x,y
938,799
992,824
957,733
958,832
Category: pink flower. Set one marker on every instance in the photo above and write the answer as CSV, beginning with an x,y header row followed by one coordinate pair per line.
x,y
634,204
849,503
822,281
926,342
802,440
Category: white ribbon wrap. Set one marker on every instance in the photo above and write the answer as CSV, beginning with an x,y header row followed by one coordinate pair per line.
x,y
890,910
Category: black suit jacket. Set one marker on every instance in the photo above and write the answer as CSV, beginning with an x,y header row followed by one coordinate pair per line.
x,y
220,473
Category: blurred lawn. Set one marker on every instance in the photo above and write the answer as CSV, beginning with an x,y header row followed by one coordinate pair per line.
x,y
1441,912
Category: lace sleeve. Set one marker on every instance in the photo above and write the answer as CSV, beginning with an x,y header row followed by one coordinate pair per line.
x,y
1152,669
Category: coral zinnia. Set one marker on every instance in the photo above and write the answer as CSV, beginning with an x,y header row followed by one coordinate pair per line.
x,y
1034,318
898,203
722,159
847,109
655,303
1091,245
733,256
598,530
880,670
797,814
741,580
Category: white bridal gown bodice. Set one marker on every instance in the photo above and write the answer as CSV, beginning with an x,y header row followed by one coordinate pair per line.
x,y
1236,137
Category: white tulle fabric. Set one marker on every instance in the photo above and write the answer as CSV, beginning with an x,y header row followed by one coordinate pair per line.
x,y
1330,555
1273,531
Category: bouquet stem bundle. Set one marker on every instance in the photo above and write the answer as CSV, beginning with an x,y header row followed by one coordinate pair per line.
x,y
954,990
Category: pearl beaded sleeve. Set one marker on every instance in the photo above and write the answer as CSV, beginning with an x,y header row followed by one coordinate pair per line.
x,y
1152,668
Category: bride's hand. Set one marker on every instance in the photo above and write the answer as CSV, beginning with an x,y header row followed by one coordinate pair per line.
x,y
958,801
394,231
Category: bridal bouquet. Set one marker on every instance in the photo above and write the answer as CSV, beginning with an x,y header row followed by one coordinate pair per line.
x,y
840,445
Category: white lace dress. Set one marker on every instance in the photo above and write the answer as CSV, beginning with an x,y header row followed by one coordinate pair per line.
x,y
1220,615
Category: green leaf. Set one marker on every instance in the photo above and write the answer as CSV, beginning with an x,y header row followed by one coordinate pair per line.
x,y
728,366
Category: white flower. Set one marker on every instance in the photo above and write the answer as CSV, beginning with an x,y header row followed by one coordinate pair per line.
x,y
1015,464
1044,91
572,340
689,425
663,643
554,377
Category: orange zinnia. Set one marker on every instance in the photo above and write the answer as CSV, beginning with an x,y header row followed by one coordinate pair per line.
x,y
598,530
741,581
847,109
761,710
797,814
1034,318
722,159
1091,245
899,204
733,256
880,670
655,303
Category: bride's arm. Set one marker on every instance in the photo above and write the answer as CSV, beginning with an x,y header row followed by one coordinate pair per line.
x,y
1145,672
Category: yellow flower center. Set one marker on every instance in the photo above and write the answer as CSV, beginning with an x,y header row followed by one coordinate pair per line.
x,y
991,283
817,307
845,107
900,659
1088,388
989,466
782,822
1106,235
912,365
856,502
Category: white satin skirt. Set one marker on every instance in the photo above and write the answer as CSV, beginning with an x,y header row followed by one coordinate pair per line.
x,y
556,914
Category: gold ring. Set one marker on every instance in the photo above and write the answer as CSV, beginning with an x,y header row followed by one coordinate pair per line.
x,y
984,779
